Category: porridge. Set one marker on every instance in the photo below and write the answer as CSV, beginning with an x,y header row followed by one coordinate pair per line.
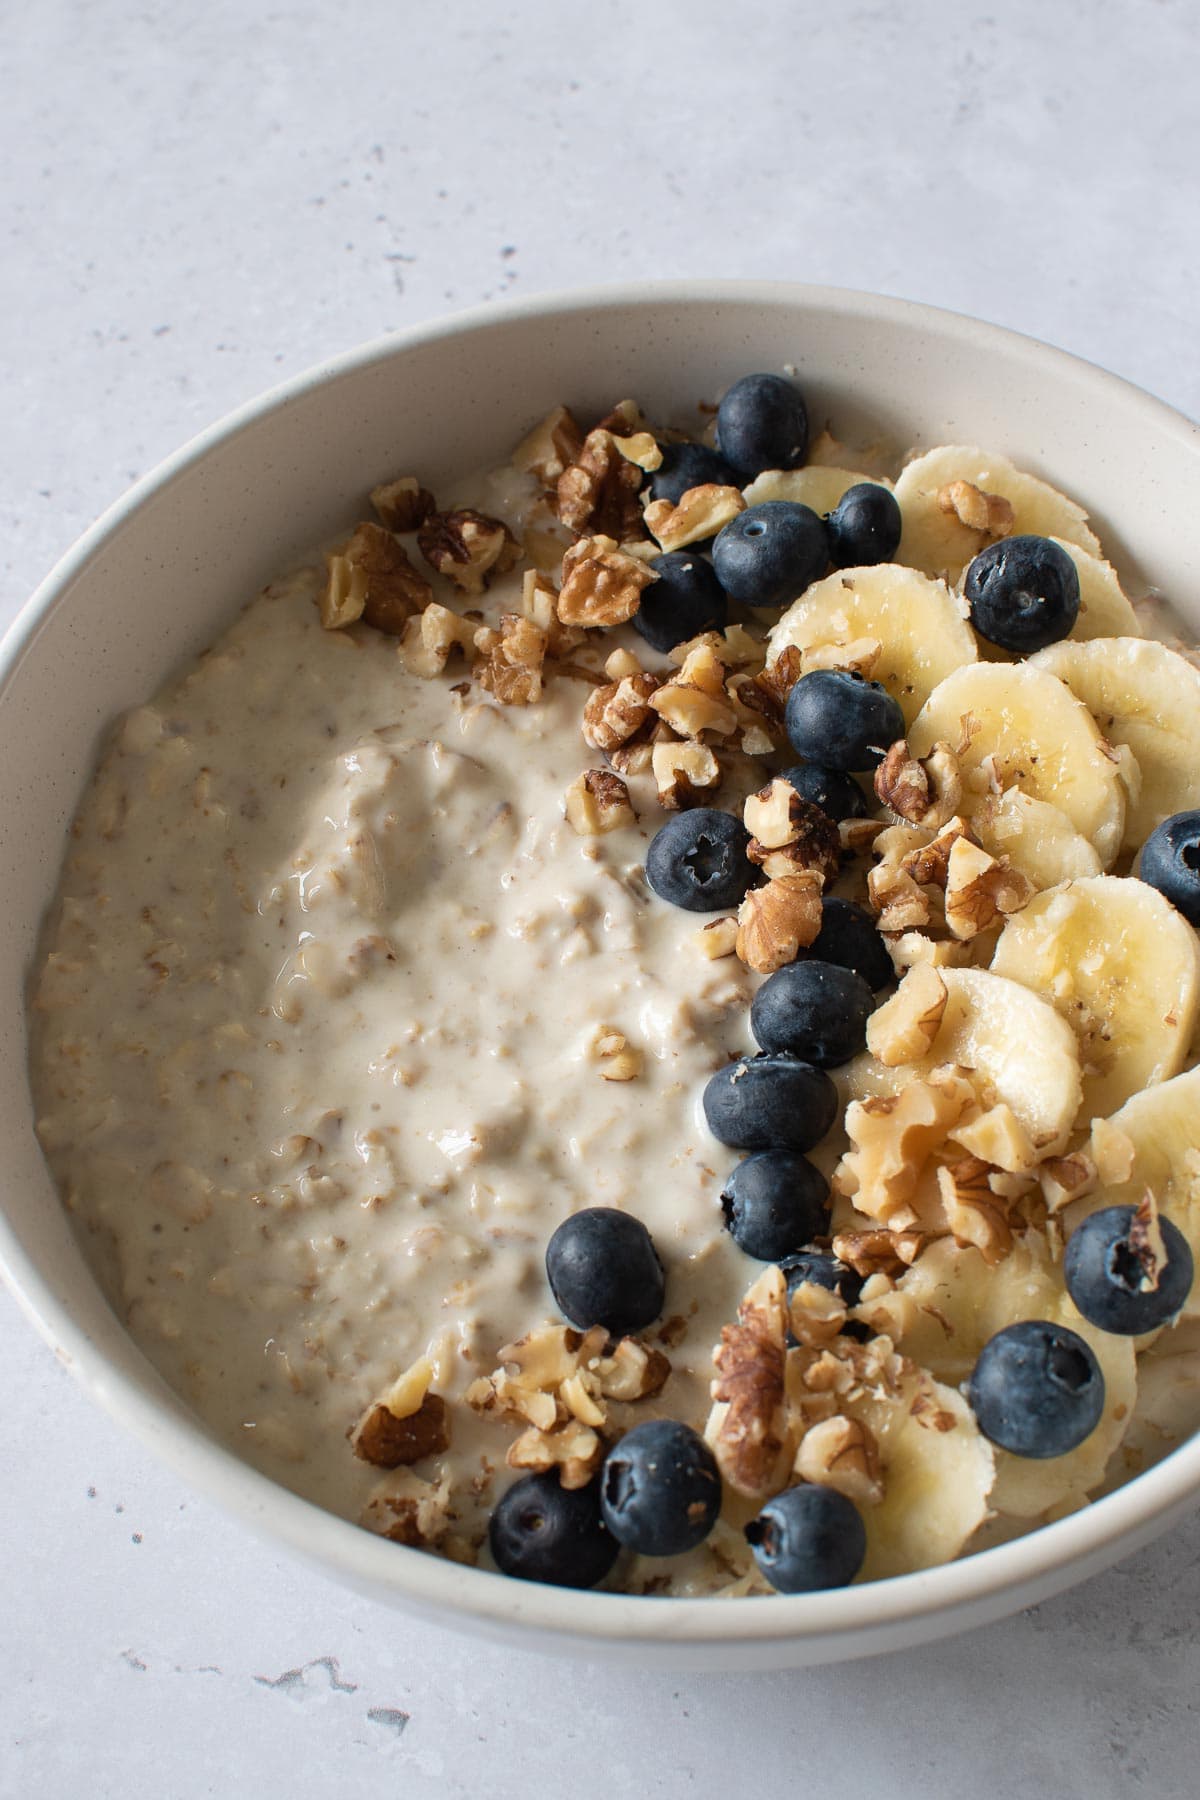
x,y
427,955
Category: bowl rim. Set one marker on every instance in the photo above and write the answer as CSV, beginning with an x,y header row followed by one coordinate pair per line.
x,y
1040,1561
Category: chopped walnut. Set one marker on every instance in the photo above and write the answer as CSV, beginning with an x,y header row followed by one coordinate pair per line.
x,y
682,773
912,949
716,939
689,710
616,712
403,504
371,578
619,664
892,1136
532,1371
406,1423
996,1136
618,1059
980,890
778,920
632,1371
979,511
1066,1178
601,585
841,1453
468,547
904,1028
1113,1151
553,444
776,681
974,1213
926,792
430,638
513,667
575,1450
640,448
790,835
598,801
855,835
929,863
409,1511
748,1435
699,514
880,1252
597,493
539,604
860,656
902,904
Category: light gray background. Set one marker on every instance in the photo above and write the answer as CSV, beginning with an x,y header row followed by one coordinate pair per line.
x,y
198,201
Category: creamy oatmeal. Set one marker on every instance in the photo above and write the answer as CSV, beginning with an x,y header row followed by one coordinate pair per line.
x,y
354,989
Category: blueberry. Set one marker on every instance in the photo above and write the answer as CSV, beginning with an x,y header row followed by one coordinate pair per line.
x,y
687,466
835,792
864,526
541,1531
771,1102
1114,1279
762,423
698,860
686,599
1037,1389
775,1201
850,938
816,1010
1170,862
837,717
808,1538
603,1269
770,553
824,1270
660,1489
1023,593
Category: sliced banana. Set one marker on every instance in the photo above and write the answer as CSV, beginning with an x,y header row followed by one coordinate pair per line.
x,y
1146,696
917,623
1104,610
1013,725
1122,967
1037,838
1003,1033
1158,1135
820,487
943,1311
938,542
938,1470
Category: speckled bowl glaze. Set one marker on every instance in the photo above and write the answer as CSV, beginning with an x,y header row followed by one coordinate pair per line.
x,y
166,568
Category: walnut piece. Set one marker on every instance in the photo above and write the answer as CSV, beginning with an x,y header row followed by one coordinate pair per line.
x,y
618,1059
597,493
690,710
575,1450
598,801
601,584
699,514
550,447
429,639
640,448
798,835
406,1423
616,712
980,890
979,511
879,1252
926,792
776,921
682,773
371,578
402,504
716,939
748,1435
468,547
409,1511
974,1212
1066,1178
513,667
892,1137
841,1453
904,1028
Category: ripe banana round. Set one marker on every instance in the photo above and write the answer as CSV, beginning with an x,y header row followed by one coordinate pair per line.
x,y
936,539
1038,839
816,485
916,622
1122,967
1144,695
1104,610
1014,725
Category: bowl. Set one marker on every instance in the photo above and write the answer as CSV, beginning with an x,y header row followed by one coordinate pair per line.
x,y
166,569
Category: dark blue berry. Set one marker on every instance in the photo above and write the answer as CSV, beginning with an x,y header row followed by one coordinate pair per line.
x,y
837,717
815,1009
1170,862
1023,593
850,938
541,1531
864,526
1037,1389
774,1202
762,423
603,1269
824,1270
835,792
770,553
1114,1279
686,599
687,466
770,1103
660,1489
698,860
808,1538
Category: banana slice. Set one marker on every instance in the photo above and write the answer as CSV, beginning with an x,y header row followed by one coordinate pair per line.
x,y
1000,1031
1038,839
938,542
1104,610
1144,695
1158,1134
814,485
938,1470
917,623
1122,967
1014,725
943,1311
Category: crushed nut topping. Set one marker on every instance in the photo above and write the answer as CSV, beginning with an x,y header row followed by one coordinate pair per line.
x,y
539,604
912,949
879,1252
410,1511
716,939
598,801
616,712
1066,1178
747,1430
776,921
974,1212
597,493
429,639
406,1423
554,443
371,578
841,1453
699,514
640,448
514,656
601,584
618,1059
981,890
403,504
789,835
979,511
468,547
776,681
904,1028
682,773
892,1138
926,792
575,1450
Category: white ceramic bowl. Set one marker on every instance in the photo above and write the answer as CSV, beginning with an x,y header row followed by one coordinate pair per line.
x,y
165,570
